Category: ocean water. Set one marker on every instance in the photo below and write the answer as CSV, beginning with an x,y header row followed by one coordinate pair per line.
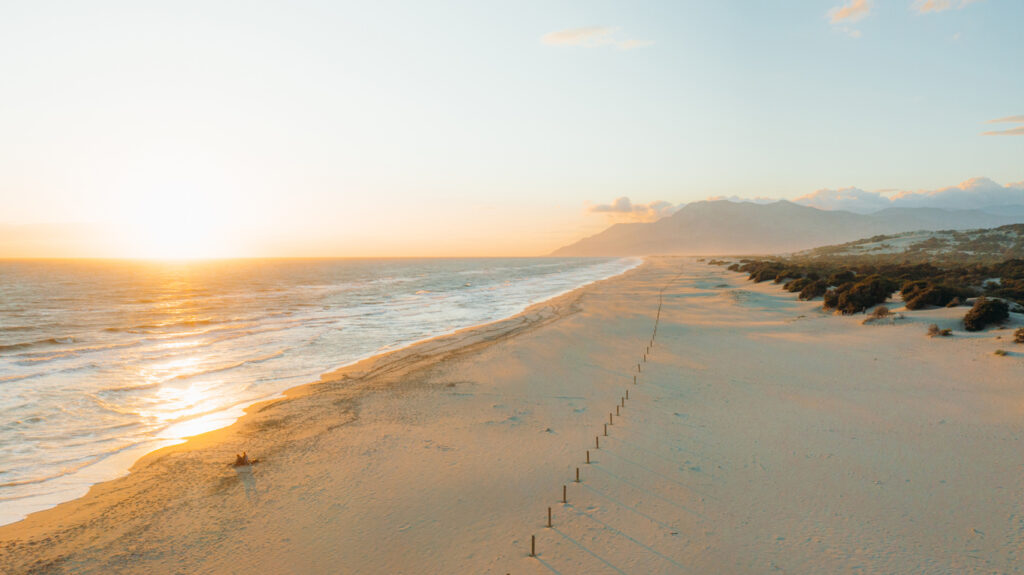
x,y
104,361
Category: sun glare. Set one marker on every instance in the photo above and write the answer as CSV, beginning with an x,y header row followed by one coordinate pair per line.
x,y
171,241
177,232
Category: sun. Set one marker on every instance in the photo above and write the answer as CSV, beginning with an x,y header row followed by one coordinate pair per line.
x,y
173,232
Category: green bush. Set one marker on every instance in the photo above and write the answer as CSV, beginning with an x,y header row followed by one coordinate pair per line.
x,y
840,278
796,285
814,289
984,312
852,298
919,294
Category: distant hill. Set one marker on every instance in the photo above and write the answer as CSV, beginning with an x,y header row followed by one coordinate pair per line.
x,y
938,247
725,227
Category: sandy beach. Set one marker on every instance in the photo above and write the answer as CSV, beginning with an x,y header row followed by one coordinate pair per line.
x,y
763,435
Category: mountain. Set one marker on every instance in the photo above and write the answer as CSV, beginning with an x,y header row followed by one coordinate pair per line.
x,y
725,227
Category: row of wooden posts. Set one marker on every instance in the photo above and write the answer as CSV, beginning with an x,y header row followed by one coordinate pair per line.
x,y
621,404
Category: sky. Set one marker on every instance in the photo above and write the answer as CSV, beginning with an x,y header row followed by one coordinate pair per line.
x,y
476,128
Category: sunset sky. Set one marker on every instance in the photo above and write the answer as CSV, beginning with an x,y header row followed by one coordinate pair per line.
x,y
476,128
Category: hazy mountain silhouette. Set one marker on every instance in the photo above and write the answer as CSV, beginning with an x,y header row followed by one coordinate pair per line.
x,y
725,227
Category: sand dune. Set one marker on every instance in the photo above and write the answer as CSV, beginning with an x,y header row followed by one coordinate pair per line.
x,y
764,436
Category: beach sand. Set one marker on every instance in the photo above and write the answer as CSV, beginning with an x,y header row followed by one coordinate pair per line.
x,y
764,436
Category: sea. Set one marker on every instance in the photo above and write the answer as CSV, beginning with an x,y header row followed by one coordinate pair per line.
x,y
102,362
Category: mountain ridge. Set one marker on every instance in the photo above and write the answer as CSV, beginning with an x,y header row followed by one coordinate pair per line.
x,y
726,227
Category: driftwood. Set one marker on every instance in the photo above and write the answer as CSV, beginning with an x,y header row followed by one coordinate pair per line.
x,y
242,460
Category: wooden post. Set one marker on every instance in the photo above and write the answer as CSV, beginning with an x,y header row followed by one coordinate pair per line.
x,y
623,400
549,516
564,498
577,475
616,410
533,545
606,430
638,368
634,380
588,456
627,394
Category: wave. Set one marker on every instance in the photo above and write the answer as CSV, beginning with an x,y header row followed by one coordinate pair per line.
x,y
317,328
190,375
230,367
37,343
77,368
69,467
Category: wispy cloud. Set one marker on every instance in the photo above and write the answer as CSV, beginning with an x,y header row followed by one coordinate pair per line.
x,y
1008,120
1016,131
592,37
735,198
926,6
623,208
851,11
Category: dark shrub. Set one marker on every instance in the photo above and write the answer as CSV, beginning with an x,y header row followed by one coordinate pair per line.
x,y
923,293
764,274
1018,336
853,298
984,312
786,274
814,289
796,285
832,296
840,278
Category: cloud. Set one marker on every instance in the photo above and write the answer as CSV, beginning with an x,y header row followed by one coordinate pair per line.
x,y
975,193
589,36
592,37
852,11
849,199
623,207
926,6
754,200
1017,131
1008,120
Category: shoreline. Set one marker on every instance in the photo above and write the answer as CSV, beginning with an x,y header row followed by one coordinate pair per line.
x,y
376,365
762,434
121,463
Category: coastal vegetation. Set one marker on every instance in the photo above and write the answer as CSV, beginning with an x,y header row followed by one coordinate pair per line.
x,y
857,285
984,312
